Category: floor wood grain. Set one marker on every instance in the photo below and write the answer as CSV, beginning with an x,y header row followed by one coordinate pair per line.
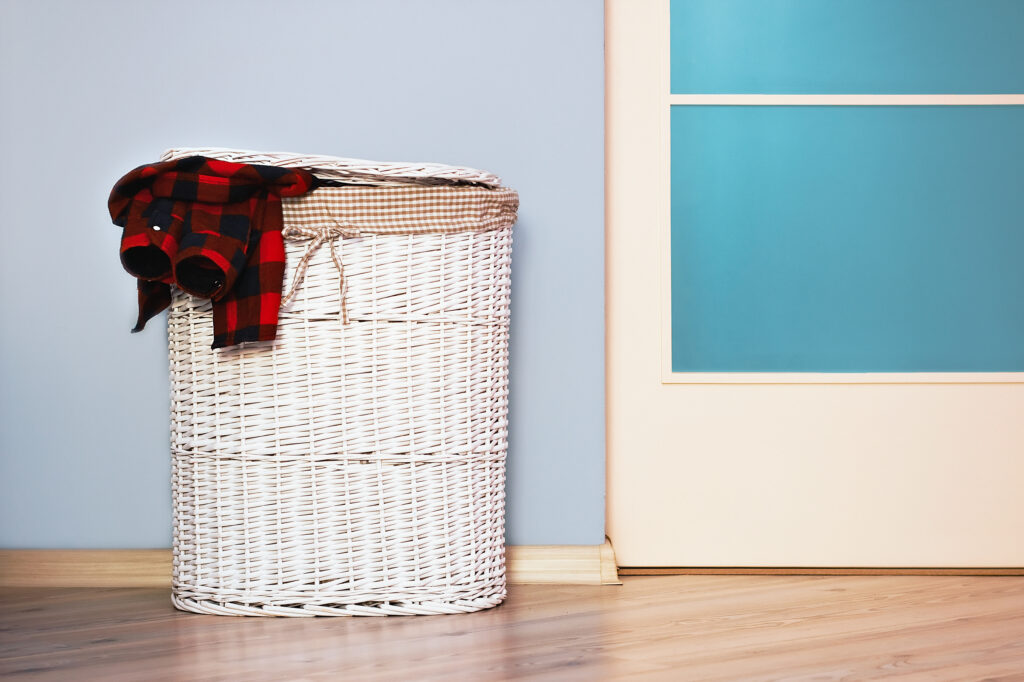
x,y
683,627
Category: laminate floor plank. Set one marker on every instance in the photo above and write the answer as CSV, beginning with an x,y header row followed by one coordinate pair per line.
x,y
670,627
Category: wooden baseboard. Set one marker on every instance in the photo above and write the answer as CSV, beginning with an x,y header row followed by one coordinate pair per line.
x,y
744,570
85,568
562,564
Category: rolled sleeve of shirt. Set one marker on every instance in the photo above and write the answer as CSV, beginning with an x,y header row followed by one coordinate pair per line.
x,y
213,248
149,242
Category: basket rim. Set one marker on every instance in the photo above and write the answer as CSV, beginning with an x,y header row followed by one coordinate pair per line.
x,y
343,168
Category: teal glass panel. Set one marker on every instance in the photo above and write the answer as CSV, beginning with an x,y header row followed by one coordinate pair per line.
x,y
847,46
847,239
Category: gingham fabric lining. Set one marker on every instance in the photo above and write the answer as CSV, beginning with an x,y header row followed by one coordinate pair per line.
x,y
329,213
402,210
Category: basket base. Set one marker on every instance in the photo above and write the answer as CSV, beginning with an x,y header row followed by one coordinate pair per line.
x,y
368,609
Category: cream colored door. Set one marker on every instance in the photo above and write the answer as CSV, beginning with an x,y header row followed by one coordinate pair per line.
x,y
776,470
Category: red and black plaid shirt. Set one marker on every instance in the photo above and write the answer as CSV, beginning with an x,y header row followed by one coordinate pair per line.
x,y
213,228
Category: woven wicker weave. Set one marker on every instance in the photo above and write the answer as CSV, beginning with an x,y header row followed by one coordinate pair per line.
x,y
351,469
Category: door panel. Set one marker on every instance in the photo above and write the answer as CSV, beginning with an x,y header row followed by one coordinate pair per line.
x,y
831,46
847,238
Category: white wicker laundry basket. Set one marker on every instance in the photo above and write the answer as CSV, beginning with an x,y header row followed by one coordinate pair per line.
x,y
353,467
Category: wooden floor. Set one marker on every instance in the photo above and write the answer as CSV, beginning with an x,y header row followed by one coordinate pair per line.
x,y
691,627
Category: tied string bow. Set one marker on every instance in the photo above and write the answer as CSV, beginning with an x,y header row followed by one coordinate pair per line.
x,y
317,236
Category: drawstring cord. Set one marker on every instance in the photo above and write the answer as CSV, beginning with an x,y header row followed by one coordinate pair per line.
x,y
319,235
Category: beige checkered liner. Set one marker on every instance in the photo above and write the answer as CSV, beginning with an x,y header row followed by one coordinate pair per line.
x,y
403,210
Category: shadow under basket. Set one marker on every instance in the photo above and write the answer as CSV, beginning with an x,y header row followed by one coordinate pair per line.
x,y
353,466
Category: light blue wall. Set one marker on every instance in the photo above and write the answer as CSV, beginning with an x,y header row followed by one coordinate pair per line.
x,y
91,89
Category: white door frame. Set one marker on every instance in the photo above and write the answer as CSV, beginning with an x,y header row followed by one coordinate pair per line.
x,y
793,469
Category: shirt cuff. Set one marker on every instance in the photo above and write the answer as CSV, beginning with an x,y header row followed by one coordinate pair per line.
x,y
207,265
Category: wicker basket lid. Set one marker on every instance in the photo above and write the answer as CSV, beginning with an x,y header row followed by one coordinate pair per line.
x,y
354,171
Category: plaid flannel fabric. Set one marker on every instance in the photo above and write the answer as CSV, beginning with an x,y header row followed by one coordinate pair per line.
x,y
213,228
